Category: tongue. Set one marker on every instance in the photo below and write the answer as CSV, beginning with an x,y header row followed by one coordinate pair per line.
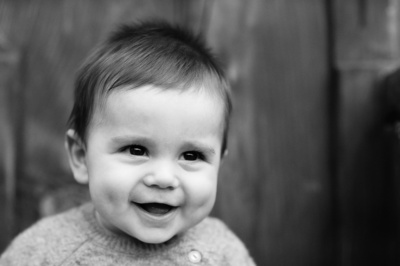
x,y
156,208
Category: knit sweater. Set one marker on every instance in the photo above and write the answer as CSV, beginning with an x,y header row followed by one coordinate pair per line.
x,y
75,238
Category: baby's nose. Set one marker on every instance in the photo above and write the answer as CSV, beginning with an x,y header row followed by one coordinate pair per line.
x,y
163,176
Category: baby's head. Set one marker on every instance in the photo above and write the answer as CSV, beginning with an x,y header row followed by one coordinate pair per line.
x,y
148,130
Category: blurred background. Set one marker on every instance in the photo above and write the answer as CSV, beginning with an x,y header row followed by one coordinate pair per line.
x,y
312,176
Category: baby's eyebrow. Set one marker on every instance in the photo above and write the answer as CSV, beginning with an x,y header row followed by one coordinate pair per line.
x,y
201,146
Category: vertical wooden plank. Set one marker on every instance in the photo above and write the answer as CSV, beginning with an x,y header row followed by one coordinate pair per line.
x,y
9,119
390,85
274,188
367,45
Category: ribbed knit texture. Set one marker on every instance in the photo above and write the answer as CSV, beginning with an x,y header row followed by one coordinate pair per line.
x,y
75,238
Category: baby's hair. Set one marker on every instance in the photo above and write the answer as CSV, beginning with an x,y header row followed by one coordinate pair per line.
x,y
147,53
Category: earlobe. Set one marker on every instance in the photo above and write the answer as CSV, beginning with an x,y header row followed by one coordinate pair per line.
x,y
224,155
76,151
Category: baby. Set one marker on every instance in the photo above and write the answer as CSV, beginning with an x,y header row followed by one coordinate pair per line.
x,y
147,133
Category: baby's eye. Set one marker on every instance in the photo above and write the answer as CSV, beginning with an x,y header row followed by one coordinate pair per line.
x,y
137,150
193,156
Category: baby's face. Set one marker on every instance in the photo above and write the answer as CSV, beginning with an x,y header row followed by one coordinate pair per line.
x,y
152,159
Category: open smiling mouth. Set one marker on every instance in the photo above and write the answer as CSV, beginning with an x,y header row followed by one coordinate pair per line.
x,y
156,208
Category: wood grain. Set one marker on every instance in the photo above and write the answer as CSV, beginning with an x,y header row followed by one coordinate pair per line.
x,y
274,188
366,41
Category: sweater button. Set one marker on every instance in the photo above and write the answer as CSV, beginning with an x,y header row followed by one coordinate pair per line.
x,y
194,256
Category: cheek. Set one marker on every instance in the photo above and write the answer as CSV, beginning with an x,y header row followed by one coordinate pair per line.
x,y
105,192
202,191
107,185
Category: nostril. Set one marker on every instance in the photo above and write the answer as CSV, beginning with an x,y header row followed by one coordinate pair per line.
x,y
161,187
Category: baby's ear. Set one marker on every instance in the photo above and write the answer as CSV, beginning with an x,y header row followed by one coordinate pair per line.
x,y
224,156
76,151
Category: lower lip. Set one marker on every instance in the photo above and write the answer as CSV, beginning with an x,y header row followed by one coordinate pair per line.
x,y
156,219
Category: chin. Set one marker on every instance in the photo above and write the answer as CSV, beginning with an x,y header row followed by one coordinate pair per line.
x,y
155,239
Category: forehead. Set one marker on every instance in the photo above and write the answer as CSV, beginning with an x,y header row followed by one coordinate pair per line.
x,y
197,109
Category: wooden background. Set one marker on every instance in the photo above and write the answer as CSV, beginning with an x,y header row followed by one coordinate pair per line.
x,y
311,173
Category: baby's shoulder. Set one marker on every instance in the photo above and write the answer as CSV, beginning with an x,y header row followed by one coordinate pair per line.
x,y
216,237
52,228
42,243
216,231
